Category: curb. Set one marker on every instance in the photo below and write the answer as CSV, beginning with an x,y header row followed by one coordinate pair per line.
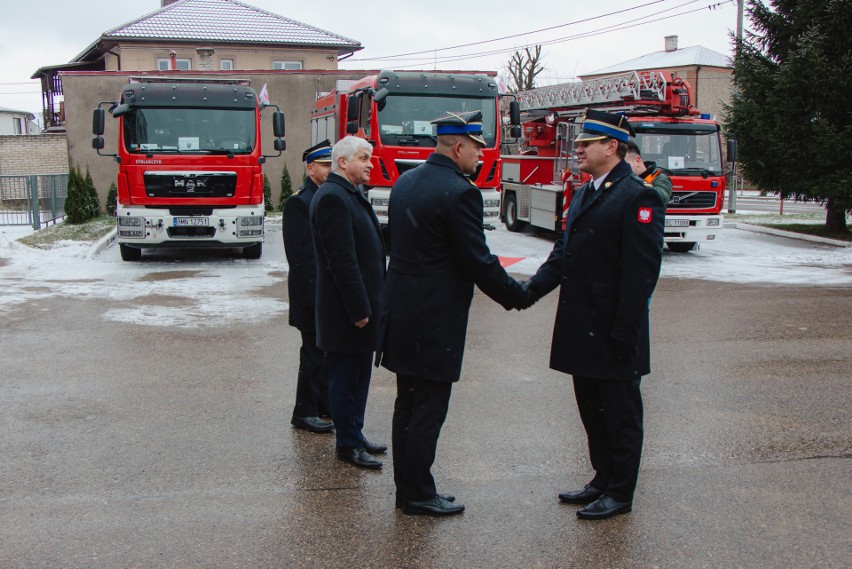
x,y
790,234
103,243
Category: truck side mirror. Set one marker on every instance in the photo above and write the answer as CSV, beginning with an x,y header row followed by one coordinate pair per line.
x,y
515,132
98,123
98,142
381,94
515,114
732,150
352,127
278,124
352,108
280,145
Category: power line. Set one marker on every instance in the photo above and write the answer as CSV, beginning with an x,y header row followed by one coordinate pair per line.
x,y
508,37
599,31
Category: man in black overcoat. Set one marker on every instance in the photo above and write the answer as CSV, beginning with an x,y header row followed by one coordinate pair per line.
x,y
350,274
606,264
437,254
312,382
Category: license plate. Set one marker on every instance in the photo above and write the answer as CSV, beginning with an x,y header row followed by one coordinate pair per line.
x,y
191,222
677,223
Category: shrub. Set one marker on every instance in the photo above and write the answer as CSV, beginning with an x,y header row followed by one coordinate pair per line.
x,y
267,195
112,199
286,187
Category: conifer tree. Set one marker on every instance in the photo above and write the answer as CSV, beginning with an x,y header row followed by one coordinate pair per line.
x,y
792,101
267,195
286,187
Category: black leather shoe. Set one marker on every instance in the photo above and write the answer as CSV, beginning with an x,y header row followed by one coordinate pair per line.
x,y
585,496
437,506
604,507
312,424
358,457
447,497
373,448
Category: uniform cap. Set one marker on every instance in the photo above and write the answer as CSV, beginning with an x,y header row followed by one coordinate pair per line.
x,y
318,153
598,125
469,123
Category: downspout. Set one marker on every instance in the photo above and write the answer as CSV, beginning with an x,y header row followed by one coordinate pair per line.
x,y
117,55
697,71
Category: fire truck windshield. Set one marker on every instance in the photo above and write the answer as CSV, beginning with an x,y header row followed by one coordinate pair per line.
x,y
684,150
405,120
181,130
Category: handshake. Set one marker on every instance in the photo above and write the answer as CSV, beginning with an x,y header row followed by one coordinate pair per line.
x,y
529,297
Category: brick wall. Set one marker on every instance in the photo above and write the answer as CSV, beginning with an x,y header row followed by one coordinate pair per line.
x,y
37,154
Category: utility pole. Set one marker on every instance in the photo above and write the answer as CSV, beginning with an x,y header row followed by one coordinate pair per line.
x,y
732,187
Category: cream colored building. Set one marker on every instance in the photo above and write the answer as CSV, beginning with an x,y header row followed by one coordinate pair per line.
x,y
199,35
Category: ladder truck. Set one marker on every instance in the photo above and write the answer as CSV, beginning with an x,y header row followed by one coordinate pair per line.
x,y
539,179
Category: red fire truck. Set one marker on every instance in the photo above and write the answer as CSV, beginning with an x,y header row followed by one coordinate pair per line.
x,y
393,111
539,181
189,164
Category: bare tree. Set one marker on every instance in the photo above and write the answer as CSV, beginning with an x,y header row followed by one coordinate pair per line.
x,y
524,66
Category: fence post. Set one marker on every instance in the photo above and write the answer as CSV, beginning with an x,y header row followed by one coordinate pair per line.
x,y
33,184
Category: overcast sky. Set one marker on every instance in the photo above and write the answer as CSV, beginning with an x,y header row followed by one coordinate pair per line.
x,y
51,32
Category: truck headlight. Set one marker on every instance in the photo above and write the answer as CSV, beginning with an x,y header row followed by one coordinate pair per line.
x,y
713,222
491,203
380,202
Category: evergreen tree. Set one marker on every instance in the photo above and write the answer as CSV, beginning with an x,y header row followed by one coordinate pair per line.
x,y
792,101
93,204
267,195
286,187
76,204
112,199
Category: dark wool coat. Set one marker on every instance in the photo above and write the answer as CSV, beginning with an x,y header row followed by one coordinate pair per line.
x,y
299,248
350,259
438,254
607,264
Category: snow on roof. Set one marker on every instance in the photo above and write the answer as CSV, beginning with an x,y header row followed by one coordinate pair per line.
x,y
695,55
223,21
16,112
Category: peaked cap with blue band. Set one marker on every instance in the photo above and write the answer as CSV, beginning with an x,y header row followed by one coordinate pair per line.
x,y
469,123
318,153
598,125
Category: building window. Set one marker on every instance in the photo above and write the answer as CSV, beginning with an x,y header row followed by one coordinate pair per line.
x,y
226,64
182,64
286,65
17,126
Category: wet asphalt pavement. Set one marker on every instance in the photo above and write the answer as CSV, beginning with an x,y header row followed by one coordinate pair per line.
x,y
128,445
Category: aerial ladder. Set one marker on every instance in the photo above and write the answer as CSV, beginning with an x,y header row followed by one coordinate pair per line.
x,y
539,179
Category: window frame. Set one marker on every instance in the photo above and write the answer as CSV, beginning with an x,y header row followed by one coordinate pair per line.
x,y
284,62
178,61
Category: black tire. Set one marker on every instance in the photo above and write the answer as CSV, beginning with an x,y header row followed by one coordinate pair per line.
x,y
129,253
510,213
253,251
681,246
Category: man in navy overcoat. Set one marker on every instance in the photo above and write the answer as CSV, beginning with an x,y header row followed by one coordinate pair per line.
x,y
350,274
438,254
606,264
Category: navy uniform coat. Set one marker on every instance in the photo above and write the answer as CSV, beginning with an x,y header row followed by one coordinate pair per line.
x,y
350,259
299,248
607,263
438,253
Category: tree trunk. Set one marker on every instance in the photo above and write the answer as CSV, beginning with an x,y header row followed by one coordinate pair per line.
x,y
835,217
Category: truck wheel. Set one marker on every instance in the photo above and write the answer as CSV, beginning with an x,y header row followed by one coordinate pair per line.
x,y
510,213
129,253
253,251
681,246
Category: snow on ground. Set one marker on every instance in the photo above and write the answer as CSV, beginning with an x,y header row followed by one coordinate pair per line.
x,y
216,290
737,256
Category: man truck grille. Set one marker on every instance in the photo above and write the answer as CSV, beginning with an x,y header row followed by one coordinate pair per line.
x,y
190,184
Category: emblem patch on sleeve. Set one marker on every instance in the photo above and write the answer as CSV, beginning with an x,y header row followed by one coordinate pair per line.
x,y
644,215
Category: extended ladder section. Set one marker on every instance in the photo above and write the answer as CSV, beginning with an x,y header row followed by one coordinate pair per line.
x,y
634,92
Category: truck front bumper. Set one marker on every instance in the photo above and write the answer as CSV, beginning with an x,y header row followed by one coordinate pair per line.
x,y
225,227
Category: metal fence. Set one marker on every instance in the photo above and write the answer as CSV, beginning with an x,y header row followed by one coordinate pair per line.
x,y
35,200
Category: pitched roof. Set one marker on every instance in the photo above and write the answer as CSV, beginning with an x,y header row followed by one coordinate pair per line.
x,y
695,55
16,112
223,21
